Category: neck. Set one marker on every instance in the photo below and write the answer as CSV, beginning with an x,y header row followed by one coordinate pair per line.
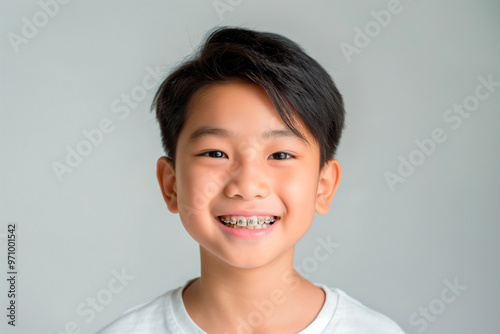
x,y
268,294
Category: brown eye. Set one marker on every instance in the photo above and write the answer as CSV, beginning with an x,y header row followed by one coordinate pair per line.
x,y
280,156
215,154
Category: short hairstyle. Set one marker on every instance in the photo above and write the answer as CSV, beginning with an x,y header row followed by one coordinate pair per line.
x,y
296,84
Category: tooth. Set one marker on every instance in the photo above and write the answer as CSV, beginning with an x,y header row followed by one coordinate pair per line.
x,y
242,221
252,221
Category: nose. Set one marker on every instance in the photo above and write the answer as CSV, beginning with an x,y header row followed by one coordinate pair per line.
x,y
248,181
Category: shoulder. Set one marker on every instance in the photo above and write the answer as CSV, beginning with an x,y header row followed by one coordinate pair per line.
x,y
150,317
351,316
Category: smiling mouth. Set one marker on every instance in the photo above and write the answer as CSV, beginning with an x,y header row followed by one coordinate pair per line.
x,y
251,222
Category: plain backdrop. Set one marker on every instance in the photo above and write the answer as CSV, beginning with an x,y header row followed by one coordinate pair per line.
x,y
69,69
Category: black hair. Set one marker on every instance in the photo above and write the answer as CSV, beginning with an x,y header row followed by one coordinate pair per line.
x,y
296,84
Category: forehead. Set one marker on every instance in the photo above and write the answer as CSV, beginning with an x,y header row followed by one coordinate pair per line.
x,y
237,107
234,98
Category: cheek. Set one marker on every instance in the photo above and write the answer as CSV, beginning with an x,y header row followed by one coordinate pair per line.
x,y
197,190
298,188
194,197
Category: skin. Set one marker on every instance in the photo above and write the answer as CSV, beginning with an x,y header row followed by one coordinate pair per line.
x,y
217,173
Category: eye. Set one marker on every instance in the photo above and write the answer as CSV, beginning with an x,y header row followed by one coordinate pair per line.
x,y
214,154
280,156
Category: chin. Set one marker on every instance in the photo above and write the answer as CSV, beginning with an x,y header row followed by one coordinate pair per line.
x,y
246,262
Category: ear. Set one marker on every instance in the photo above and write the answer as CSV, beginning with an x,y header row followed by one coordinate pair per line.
x,y
166,178
327,185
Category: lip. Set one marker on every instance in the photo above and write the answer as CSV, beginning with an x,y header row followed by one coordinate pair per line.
x,y
247,213
248,233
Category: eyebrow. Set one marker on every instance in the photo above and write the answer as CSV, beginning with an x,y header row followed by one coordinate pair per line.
x,y
223,133
208,131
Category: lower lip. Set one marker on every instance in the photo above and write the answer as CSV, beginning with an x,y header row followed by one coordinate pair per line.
x,y
244,233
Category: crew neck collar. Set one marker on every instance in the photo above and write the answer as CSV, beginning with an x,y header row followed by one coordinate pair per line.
x,y
182,318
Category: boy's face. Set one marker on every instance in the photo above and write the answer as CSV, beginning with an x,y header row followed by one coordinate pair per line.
x,y
227,165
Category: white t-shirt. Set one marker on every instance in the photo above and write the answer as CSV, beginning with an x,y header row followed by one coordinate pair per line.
x,y
166,314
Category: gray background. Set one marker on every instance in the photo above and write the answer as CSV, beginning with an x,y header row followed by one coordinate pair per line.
x,y
395,248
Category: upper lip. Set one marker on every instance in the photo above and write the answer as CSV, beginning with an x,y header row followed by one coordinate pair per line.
x,y
247,213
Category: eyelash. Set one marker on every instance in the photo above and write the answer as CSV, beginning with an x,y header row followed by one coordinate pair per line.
x,y
207,154
291,156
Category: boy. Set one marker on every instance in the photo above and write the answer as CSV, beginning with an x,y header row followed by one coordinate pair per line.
x,y
250,126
